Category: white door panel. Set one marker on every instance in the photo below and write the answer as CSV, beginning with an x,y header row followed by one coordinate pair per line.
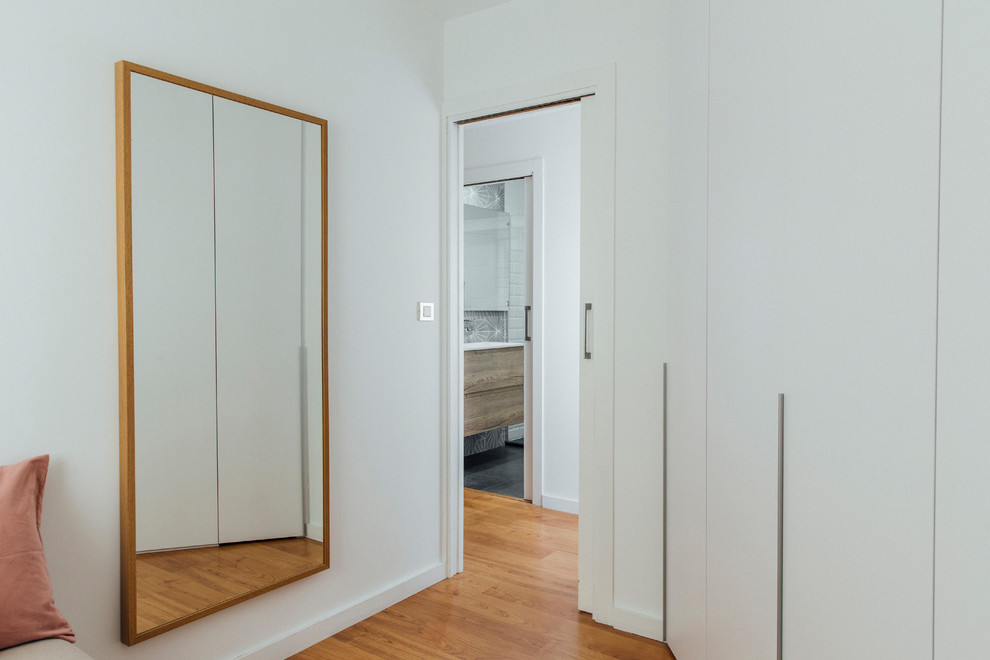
x,y
685,560
822,219
745,324
962,542
174,349
259,331
858,143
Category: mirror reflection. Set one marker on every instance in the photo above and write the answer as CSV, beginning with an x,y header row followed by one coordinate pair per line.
x,y
223,348
487,244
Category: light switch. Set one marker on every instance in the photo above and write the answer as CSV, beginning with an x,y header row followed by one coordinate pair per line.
x,y
425,311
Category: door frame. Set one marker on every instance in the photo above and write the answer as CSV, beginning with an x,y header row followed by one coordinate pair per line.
x,y
596,479
532,169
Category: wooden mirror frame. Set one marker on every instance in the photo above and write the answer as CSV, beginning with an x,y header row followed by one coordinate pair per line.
x,y
125,313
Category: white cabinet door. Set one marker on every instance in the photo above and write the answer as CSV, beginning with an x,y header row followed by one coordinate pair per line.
x,y
745,280
259,322
822,247
684,611
174,357
962,516
858,145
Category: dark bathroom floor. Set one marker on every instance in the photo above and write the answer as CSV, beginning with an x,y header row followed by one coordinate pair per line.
x,y
498,470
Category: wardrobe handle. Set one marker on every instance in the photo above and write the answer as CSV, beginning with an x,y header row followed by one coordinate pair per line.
x,y
663,526
529,313
587,313
780,526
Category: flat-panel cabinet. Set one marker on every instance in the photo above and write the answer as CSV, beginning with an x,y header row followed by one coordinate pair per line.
x,y
860,153
685,485
962,515
745,329
847,225
822,242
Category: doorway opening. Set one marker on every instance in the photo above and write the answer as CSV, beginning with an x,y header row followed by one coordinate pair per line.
x,y
593,91
521,253
498,341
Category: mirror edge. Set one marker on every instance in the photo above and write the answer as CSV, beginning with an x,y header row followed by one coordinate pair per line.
x,y
125,330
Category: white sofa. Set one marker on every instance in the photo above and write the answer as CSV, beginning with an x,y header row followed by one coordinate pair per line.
x,y
45,649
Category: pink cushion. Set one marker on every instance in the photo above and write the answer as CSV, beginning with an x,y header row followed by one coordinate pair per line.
x,y
27,608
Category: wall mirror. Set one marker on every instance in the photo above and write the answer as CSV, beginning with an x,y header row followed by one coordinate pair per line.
x,y
486,247
222,276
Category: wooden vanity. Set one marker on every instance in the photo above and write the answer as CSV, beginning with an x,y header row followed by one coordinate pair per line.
x,y
493,388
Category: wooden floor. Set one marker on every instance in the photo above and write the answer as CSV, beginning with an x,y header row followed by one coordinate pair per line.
x,y
517,598
177,583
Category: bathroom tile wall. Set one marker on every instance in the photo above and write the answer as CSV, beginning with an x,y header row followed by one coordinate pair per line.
x,y
486,247
485,440
485,326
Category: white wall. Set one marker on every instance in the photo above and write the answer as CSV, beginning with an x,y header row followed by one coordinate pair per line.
x,y
342,60
555,136
529,40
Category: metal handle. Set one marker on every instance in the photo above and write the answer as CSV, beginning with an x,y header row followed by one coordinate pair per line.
x,y
663,435
587,313
780,526
529,310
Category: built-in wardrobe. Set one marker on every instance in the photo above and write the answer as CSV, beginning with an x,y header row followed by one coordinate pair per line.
x,y
828,387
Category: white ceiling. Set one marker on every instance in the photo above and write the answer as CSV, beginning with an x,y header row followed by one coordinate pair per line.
x,y
448,9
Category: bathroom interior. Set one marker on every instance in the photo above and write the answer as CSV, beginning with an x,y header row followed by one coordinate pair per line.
x,y
496,316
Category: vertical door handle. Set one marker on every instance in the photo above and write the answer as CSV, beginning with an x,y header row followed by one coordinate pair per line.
x,y
528,314
663,525
780,526
587,313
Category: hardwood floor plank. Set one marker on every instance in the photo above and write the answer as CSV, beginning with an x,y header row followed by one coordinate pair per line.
x,y
517,598
386,639
177,583
332,648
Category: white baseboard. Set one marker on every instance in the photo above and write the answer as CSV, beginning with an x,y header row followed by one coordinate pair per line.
x,y
638,624
560,504
314,531
346,617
